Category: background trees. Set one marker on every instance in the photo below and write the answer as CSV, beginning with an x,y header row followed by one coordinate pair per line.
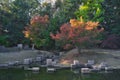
x,y
91,10
65,10
14,16
111,15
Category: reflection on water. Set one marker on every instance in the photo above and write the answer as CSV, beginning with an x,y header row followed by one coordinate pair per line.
x,y
62,74
104,75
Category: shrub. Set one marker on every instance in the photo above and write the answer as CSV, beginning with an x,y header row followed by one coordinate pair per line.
x,y
37,30
91,10
77,33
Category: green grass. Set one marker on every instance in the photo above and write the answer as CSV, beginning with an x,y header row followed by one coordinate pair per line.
x,y
63,74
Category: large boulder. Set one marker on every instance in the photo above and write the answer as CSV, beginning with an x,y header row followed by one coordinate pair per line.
x,y
111,42
8,49
2,49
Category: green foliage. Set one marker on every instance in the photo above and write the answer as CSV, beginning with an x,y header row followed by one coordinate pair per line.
x,y
14,16
38,31
112,16
66,10
90,10
58,14
4,41
46,9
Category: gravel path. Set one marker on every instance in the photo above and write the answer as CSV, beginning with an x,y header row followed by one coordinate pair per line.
x,y
17,56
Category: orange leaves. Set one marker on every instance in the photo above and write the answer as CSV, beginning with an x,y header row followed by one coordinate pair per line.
x,y
26,33
39,19
75,23
86,25
77,32
91,25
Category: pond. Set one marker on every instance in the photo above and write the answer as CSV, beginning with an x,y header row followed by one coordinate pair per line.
x,y
62,74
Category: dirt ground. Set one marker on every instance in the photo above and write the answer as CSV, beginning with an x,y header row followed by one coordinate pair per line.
x,y
17,56
112,57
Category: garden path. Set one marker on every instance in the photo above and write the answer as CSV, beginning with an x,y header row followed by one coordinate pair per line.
x,y
112,57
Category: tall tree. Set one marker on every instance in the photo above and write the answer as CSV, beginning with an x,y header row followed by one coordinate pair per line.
x,y
91,10
37,30
112,16
14,17
66,9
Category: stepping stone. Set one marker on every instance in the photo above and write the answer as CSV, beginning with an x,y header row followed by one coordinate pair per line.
x,y
85,70
76,62
91,62
27,61
35,69
48,62
103,65
38,59
51,69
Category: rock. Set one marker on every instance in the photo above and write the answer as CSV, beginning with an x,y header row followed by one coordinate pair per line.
x,y
108,69
95,69
11,63
35,69
76,62
3,49
88,66
91,62
49,62
50,69
20,46
78,66
61,53
27,61
4,66
111,42
26,47
103,65
38,59
85,70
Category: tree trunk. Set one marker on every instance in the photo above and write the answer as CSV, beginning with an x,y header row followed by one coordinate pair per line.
x,y
79,49
33,46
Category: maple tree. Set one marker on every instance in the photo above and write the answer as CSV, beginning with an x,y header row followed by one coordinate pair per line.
x,y
36,30
77,33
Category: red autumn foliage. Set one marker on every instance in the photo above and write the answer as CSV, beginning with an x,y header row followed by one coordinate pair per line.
x,y
76,33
